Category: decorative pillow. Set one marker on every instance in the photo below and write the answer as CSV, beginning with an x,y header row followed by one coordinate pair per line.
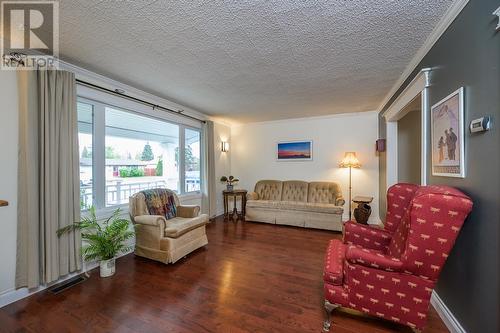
x,y
160,202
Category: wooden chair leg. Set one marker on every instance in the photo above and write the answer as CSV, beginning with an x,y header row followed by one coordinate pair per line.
x,y
329,307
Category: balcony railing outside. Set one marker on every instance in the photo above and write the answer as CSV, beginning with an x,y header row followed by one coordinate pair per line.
x,y
119,192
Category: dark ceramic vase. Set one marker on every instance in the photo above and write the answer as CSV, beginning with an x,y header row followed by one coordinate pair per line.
x,y
362,213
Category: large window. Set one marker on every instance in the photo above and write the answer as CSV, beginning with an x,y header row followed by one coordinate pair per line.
x,y
192,160
85,131
123,152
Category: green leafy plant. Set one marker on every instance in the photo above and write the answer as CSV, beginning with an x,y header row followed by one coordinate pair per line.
x,y
147,153
159,167
229,180
105,240
131,172
136,172
86,153
124,172
192,163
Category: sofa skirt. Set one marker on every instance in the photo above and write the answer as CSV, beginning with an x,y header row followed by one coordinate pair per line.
x,y
324,221
173,249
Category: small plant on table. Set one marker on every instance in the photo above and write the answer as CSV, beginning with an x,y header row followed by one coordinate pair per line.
x,y
230,181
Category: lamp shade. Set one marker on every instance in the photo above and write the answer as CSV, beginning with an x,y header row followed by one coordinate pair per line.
x,y
350,160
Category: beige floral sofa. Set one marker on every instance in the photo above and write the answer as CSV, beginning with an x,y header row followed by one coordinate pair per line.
x,y
297,203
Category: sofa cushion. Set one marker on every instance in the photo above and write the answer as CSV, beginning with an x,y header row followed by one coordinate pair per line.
x,y
310,207
269,189
272,204
324,192
178,226
294,190
334,262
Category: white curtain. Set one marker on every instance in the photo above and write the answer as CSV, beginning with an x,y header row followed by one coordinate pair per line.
x,y
208,200
48,177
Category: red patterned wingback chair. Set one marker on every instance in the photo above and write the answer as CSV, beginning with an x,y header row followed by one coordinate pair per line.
x,y
395,282
398,199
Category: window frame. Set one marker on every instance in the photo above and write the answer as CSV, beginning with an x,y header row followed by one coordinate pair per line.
x,y
100,100
183,180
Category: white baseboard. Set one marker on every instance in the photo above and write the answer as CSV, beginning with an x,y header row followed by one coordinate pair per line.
x,y
446,315
13,295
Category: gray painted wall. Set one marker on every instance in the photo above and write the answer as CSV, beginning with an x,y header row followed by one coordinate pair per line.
x,y
468,55
409,147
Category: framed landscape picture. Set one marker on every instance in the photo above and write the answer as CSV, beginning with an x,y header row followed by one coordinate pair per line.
x,y
447,136
294,151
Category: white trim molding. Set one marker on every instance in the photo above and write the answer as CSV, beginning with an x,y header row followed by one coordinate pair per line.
x,y
446,315
288,120
443,24
415,87
397,110
391,153
497,13
103,81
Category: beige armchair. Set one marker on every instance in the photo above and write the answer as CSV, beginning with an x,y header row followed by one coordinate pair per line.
x,y
167,240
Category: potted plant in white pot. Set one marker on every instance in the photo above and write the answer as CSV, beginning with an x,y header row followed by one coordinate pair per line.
x,y
104,241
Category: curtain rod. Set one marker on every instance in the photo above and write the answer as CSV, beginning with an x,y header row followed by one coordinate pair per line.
x,y
154,106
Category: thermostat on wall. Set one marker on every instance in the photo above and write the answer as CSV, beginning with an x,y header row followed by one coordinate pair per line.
x,y
480,124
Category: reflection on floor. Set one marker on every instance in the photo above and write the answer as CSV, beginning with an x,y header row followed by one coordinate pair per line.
x,y
252,277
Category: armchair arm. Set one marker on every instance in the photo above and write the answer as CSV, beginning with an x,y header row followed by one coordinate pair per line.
x,y
367,237
153,220
188,211
252,196
150,232
339,201
373,259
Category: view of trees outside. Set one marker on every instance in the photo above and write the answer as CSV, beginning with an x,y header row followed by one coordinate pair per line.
x,y
147,153
192,167
140,153
85,116
192,162
133,166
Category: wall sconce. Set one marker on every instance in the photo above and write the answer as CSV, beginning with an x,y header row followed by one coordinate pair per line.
x,y
380,145
224,146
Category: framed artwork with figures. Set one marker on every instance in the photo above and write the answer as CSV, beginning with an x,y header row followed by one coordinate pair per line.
x,y
447,136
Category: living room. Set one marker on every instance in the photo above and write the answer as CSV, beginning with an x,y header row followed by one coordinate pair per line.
x,y
261,166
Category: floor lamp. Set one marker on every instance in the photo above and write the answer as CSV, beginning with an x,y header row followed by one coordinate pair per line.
x,y
350,161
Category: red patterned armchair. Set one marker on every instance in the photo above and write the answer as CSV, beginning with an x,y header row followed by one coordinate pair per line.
x,y
394,279
398,199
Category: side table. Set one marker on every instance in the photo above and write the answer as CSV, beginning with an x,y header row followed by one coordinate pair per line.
x,y
235,193
363,210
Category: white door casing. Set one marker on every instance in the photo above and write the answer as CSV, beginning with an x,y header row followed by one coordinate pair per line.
x,y
418,86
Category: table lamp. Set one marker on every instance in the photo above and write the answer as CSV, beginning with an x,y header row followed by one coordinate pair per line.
x,y
350,161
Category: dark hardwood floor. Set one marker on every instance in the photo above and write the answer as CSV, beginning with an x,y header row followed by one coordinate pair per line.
x,y
251,277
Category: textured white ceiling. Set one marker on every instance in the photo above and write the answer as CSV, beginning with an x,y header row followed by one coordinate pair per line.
x,y
251,60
